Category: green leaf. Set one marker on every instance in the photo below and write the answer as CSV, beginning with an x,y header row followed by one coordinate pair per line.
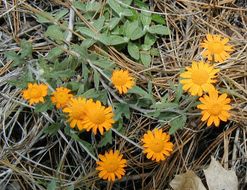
x,y
112,40
133,30
106,139
140,4
96,78
55,33
149,39
105,39
12,55
133,50
104,63
145,47
81,89
93,6
138,33
61,13
127,2
99,23
87,32
127,12
177,123
130,28
165,105
158,19
159,29
74,86
166,116
145,58
135,15
81,50
145,18
114,22
44,17
179,92
115,6
52,185
64,74
91,93
17,83
87,43
79,5
26,49
71,187
42,107
54,53
116,40
85,72
141,92
121,110
22,81
154,52
103,96
52,129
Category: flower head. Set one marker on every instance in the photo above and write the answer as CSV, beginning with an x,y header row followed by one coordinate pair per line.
x,y
157,145
198,78
97,117
216,48
76,112
35,93
111,165
122,81
61,97
214,108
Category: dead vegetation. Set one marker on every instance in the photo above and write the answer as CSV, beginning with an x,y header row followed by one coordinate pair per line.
x,y
29,159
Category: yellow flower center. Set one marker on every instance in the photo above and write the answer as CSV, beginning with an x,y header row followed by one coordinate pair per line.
x,y
215,47
121,80
215,109
157,145
63,98
111,165
35,93
97,116
199,77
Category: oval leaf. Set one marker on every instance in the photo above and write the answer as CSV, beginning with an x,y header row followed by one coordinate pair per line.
x,y
133,50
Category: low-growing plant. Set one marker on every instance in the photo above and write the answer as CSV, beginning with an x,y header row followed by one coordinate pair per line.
x,y
89,93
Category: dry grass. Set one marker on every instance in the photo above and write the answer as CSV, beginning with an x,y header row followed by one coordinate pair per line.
x,y
29,158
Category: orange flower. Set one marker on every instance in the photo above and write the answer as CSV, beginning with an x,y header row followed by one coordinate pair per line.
x,y
157,145
97,117
214,108
35,93
76,112
198,78
216,48
61,97
122,81
111,165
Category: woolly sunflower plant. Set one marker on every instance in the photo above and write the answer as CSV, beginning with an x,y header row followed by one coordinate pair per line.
x,y
122,81
111,165
198,78
35,93
214,108
157,145
216,48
